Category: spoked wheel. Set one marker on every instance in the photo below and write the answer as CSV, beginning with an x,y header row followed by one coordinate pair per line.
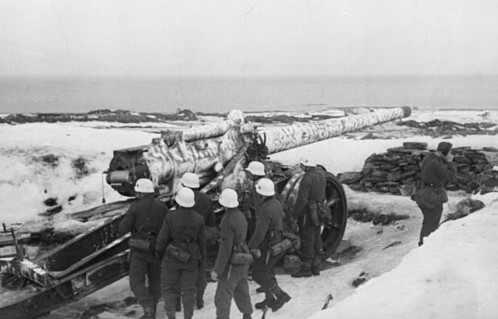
x,y
333,232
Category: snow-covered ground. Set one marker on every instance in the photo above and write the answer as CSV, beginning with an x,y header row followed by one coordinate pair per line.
x,y
452,276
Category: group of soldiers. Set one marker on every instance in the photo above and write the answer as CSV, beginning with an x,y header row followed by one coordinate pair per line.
x,y
173,262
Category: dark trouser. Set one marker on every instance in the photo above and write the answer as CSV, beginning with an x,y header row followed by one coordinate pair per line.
x,y
201,283
432,217
311,245
173,278
251,223
235,287
142,266
263,273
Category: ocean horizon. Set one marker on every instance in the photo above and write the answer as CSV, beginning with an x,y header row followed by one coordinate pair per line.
x,y
22,94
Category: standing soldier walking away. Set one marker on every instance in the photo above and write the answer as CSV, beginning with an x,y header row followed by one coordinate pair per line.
x,y
144,219
437,171
182,241
269,229
203,206
311,192
232,279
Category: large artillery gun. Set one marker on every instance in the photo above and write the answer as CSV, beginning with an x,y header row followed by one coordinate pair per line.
x,y
218,153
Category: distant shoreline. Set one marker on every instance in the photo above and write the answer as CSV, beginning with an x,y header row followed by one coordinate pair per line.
x,y
322,109
26,95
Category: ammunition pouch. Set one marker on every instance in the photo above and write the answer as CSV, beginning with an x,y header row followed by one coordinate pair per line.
x,y
288,242
143,244
178,253
430,197
281,247
241,255
319,213
139,244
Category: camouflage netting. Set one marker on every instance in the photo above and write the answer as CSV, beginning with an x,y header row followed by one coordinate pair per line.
x,y
398,170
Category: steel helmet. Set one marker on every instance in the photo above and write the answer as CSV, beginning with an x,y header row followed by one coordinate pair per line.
x,y
228,198
185,197
265,187
308,162
144,185
256,168
190,180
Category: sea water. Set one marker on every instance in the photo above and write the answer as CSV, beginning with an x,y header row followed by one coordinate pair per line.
x,y
221,94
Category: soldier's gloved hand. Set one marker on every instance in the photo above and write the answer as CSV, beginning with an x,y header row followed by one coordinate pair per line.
x,y
256,253
214,276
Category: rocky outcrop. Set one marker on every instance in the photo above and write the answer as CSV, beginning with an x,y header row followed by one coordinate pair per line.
x,y
397,170
120,116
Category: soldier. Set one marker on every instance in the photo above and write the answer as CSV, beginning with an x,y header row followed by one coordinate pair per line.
x,y
268,230
232,279
311,192
437,170
254,171
144,219
203,206
182,242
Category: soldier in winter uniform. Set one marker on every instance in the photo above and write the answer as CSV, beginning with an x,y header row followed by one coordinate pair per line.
x,y
203,206
250,199
311,192
144,219
437,171
232,279
268,230
182,241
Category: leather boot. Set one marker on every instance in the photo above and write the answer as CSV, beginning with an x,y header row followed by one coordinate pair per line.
x,y
154,306
200,304
268,301
149,312
171,315
315,268
305,271
178,306
246,316
282,298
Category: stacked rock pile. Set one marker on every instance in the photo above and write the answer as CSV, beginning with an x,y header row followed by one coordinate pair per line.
x,y
398,170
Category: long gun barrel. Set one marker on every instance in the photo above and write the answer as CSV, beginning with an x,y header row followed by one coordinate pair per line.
x,y
296,135
206,149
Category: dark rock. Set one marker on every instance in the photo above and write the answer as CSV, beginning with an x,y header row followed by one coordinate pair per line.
x,y
350,177
356,187
49,159
395,243
464,208
415,145
361,279
52,211
52,201
394,176
80,166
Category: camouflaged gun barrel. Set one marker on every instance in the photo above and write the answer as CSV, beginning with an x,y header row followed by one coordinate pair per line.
x,y
287,137
201,149
206,149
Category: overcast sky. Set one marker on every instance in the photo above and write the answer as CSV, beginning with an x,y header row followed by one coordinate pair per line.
x,y
248,37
